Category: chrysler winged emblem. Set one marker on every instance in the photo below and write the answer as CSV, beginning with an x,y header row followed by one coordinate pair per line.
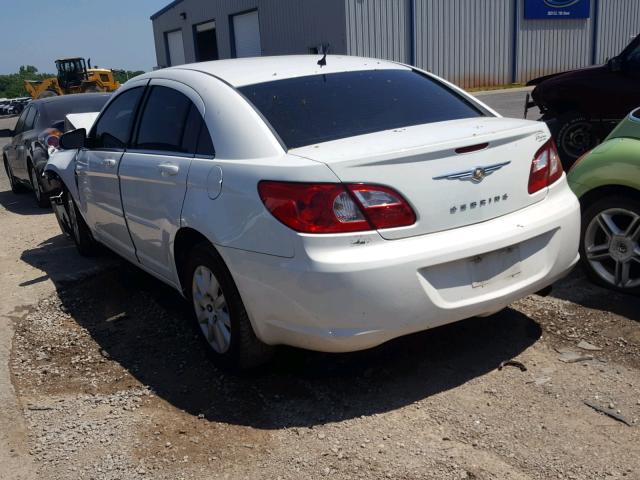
x,y
476,175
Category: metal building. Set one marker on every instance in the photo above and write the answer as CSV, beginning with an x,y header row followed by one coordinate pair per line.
x,y
470,42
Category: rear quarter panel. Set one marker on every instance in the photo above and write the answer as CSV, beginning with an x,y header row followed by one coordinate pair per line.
x,y
615,162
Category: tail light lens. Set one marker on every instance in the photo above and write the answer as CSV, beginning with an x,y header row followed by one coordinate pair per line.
x,y
51,137
335,207
546,167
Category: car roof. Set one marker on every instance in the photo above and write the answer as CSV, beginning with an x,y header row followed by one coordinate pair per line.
x,y
70,98
248,71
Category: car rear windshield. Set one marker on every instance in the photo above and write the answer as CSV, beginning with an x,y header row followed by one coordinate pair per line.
x,y
81,103
321,108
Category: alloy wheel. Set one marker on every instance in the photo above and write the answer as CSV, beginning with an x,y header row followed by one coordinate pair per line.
x,y
73,220
611,245
7,169
35,183
211,309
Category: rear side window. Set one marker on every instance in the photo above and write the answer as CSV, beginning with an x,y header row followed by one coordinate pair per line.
x,y
30,120
321,108
205,145
20,123
170,122
113,129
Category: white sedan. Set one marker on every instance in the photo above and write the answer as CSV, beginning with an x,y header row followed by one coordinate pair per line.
x,y
330,207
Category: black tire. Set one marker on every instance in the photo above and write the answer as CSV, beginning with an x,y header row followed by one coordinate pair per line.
x,y
245,350
594,268
48,94
40,195
80,233
575,135
16,186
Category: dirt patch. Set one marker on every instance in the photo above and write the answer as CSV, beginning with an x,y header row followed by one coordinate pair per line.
x,y
115,383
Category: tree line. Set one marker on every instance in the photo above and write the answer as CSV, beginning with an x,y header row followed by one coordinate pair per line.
x,y
12,85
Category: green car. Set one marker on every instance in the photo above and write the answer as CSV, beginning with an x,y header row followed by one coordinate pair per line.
x,y
607,182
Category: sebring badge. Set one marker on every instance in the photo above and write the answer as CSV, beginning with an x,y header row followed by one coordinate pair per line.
x,y
475,175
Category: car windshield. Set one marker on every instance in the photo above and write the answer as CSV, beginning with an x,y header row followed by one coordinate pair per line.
x,y
321,108
83,103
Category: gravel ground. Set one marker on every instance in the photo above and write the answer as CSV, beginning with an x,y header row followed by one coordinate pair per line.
x,y
109,380
114,383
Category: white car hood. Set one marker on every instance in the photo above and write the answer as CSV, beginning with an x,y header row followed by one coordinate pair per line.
x,y
73,121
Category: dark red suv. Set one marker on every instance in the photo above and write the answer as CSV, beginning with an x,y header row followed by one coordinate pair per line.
x,y
582,106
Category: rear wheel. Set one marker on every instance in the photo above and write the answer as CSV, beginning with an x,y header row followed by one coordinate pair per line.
x,y
16,187
220,313
610,243
41,198
575,136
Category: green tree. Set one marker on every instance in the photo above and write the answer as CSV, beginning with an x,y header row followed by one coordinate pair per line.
x,y
12,85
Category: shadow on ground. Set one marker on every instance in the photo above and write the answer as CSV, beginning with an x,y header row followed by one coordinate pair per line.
x,y
21,203
578,289
146,328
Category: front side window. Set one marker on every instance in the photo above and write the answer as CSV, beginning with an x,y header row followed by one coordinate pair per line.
x,y
322,108
170,122
113,129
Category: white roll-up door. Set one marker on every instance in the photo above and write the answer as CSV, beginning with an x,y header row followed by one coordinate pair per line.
x,y
175,46
246,35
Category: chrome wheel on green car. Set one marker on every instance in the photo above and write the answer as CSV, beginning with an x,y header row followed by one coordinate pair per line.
x,y
607,182
611,247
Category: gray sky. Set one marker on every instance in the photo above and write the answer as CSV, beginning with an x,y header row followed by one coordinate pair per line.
x,y
113,33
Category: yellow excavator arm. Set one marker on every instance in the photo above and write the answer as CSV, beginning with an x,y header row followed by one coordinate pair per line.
x,y
48,87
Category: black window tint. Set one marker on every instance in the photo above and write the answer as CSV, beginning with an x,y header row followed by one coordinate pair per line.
x,y
20,122
164,121
192,130
321,108
29,120
114,126
205,145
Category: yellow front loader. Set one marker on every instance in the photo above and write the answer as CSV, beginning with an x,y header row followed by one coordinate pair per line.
x,y
73,77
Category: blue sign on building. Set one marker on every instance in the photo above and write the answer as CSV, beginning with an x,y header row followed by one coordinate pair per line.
x,y
550,9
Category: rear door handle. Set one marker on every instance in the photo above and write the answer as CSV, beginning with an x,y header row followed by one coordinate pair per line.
x,y
109,162
168,169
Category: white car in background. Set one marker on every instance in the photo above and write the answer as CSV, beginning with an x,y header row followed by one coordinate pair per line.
x,y
330,207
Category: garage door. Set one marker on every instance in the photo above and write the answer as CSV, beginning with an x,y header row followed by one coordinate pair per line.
x,y
246,35
175,47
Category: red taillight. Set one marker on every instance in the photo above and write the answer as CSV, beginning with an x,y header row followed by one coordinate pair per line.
x,y
335,207
51,137
52,141
545,167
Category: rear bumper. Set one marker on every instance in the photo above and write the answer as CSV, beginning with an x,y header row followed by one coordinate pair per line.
x,y
339,296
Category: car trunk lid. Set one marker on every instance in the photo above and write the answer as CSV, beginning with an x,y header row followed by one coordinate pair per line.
x,y
427,165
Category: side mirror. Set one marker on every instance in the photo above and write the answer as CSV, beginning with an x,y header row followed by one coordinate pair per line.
x,y
615,64
74,139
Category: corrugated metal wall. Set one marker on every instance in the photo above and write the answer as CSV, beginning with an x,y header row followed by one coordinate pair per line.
x,y
379,28
473,43
286,26
618,23
468,42
549,46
